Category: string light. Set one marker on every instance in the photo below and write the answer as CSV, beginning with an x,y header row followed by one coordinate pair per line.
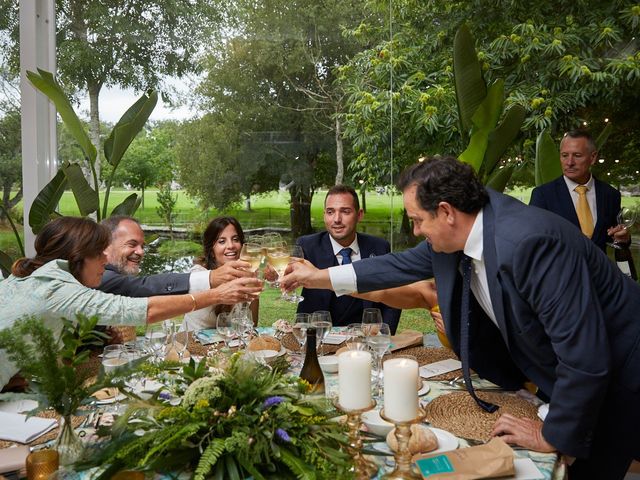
x,y
617,161
601,160
606,120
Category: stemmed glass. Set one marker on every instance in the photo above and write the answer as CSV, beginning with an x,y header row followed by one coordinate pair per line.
x,y
371,318
251,253
180,340
379,342
295,255
278,257
356,339
242,321
224,327
321,320
114,357
156,337
301,323
625,218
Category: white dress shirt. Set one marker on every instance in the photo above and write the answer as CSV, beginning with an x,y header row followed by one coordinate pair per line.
x,y
355,249
199,281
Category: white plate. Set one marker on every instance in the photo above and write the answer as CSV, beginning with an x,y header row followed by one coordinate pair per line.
x,y
424,390
446,441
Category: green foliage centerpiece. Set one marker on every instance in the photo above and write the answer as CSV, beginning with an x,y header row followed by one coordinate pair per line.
x,y
239,421
56,367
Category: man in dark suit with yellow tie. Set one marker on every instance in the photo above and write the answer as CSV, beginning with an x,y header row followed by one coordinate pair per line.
x,y
524,295
588,203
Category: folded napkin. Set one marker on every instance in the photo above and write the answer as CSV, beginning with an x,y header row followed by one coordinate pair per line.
x,y
408,338
17,428
208,336
13,459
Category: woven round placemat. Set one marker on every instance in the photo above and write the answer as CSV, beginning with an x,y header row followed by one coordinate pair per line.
x,y
459,414
426,355
51,435
290,342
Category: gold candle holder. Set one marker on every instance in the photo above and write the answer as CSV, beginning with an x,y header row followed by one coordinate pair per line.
x,y
41,464
363,468
403,470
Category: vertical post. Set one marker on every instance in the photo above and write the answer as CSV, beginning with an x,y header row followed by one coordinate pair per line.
x,y
37,50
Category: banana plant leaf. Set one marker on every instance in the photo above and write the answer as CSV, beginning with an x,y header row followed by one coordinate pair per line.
x,y
128,206
502,137
5,264
45,203
547,163
128,127
46,83
470,86
484,120
500,178
86,197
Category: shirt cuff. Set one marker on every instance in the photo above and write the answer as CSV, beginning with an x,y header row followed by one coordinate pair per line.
x,y
343,279
199,281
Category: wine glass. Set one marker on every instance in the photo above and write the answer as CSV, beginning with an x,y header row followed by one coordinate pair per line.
x,y
242,321
301,323
156,337
295,255
371,319
251,253
625,218
114,357
321,320
278,257
180,340
356,339
224,327
379,342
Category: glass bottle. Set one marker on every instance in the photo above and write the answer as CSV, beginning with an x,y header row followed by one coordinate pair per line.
x,y
624,259
311,371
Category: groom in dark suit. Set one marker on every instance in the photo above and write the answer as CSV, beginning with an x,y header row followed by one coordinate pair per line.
x,y
341,244
545,305
577,154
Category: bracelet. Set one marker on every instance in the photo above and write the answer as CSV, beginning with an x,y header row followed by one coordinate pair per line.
x,y
195,304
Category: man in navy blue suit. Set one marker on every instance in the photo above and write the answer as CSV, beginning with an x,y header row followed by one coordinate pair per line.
x,y
561,196
341,244
546,305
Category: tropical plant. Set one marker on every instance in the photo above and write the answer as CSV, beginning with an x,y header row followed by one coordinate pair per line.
x,y
240,421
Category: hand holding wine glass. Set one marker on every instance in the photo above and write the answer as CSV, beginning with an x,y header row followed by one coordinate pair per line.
x,y
625,218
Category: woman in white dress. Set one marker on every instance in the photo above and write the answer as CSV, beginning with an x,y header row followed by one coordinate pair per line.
x,y
222,242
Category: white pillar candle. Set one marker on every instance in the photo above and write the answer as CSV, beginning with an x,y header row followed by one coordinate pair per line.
x,y
354,379
401,389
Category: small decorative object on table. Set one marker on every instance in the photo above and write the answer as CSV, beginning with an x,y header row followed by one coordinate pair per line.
x,y
403,470
56,363
362,468
42,464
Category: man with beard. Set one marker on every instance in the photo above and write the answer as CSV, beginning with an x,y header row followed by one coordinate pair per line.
x,y
126,252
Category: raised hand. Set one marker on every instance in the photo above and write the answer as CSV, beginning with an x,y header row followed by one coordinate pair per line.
x,y
238,290
229,271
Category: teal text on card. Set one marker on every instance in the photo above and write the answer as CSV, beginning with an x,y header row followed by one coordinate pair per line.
x,y
433,465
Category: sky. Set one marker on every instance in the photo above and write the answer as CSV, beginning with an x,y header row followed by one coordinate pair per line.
x,y
115,101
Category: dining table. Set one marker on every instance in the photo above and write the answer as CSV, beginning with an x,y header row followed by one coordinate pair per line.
x,y
434,389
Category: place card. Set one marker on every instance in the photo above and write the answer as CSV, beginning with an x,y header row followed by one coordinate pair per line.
x,y
525,470
438,368
334,339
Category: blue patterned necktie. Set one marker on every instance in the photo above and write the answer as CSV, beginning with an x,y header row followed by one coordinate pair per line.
x,y
465,318
346,255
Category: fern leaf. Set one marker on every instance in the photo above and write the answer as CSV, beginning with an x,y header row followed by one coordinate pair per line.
x,y
209,458
300,469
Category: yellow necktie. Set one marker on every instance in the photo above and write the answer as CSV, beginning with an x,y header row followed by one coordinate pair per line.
x,y
584,212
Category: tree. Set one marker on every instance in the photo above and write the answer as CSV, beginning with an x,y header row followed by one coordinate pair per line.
x,y
128,43
10,161
562,61
166,206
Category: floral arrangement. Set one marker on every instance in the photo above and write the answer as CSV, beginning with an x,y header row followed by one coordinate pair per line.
x,y
240,420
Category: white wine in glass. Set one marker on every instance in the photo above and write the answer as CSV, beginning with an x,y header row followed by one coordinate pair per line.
x,y
251,253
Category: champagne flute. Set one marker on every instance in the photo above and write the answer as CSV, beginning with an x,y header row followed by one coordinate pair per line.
x,y
321,320
296,254
278,257
371,319
625,218
379,342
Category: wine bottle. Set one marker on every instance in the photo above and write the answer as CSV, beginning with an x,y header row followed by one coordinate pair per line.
x,y
311,371
624,259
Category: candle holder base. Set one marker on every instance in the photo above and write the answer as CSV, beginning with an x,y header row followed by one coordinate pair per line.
x,y
363,468
403,470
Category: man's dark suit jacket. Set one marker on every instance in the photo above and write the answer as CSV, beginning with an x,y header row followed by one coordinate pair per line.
x,y
555,197
568,321
145,285
344,310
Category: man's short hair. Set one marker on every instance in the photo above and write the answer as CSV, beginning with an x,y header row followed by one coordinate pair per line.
x,y
113,221
341,189
581,133
445,179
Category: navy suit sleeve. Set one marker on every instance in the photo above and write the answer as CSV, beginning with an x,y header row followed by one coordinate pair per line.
x,y
394,269
537,199
554,281
145,286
